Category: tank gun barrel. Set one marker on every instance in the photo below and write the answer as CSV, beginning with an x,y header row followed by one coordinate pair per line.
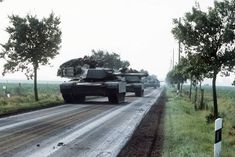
x,y
135,74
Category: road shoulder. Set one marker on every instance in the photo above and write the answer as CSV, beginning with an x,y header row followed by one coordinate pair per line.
x,y
147,140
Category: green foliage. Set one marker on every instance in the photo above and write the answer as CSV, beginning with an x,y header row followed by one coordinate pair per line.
x,y
31,43
188,68
170,79
97,59
211,36
86,61
177,75
109,60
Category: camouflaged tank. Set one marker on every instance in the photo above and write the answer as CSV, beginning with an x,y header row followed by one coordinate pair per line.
x,y
96,82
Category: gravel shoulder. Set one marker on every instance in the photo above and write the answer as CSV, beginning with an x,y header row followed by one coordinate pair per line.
x,y
148,138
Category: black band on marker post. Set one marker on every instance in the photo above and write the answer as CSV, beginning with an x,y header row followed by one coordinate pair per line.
x,y
218,135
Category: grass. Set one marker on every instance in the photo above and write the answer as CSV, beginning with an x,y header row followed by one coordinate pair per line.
x,y
187,134
186,131
22,98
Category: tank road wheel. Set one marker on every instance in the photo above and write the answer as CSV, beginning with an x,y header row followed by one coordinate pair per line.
x,y
80,98
139,93
122,97
68,98
116,98
112,98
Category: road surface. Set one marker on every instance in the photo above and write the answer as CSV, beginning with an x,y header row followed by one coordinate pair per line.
x,y
95,128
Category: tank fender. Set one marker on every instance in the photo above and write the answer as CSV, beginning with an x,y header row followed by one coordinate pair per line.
x,y
66,85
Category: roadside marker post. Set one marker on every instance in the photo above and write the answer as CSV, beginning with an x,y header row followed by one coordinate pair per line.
x,y
218,137
5,90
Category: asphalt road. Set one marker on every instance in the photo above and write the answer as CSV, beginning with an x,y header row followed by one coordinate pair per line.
x,y
95,128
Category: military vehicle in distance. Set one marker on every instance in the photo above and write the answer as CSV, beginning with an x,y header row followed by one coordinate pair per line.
x,y
155,83
96,82
134,83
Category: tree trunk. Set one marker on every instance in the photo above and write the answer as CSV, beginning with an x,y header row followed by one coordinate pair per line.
x,y
202,95
190,90
178,86
35,84
200,85
202,99
195,99
215,95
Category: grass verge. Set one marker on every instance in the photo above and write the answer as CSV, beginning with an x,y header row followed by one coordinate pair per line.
x,y
22,98
18,104
187,133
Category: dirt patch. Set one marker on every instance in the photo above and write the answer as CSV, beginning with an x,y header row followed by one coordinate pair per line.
x,y
147,140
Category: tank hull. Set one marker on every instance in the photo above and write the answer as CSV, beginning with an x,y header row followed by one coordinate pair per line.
x,y
137,88
76,92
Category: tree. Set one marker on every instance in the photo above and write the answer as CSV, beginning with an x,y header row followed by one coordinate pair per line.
x,y
79,62
176,75
109,60
195,69
171,78
32,43
180,74
97,59
210,35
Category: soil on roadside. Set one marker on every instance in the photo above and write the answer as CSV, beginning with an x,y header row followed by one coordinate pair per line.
x,y
148,138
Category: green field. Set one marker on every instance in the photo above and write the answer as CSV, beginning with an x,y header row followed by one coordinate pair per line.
x,y
22,98
187,133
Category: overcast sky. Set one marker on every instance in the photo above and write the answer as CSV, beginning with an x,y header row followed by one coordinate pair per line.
x,y
138,30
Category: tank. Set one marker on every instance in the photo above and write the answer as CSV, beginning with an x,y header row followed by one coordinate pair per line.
x,y
134,83
155,83
95,82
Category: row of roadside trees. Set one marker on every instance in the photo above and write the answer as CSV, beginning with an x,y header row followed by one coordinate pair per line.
x,y
208,38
